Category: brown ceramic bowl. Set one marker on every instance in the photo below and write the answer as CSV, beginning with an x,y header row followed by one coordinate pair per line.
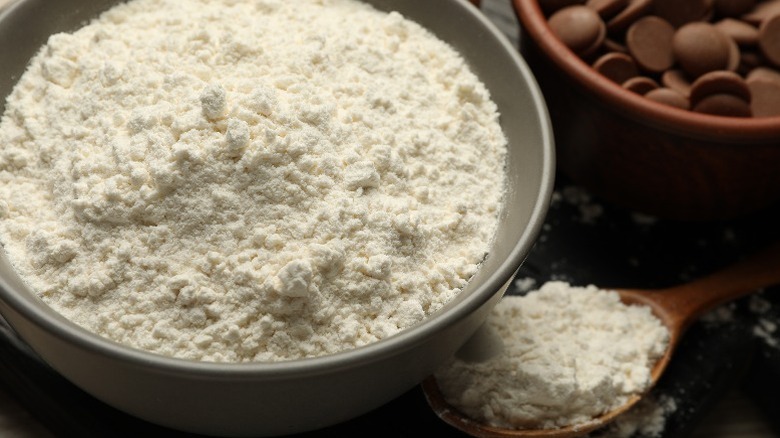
x,y
643,155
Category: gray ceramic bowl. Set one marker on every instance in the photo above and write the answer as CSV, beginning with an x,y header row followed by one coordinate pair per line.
x,y
281,398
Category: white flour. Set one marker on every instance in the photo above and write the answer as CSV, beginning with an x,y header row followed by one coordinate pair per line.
x,y
237,181
569,354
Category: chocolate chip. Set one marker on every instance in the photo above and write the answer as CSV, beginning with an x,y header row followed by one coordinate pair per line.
x,y
700,48
677,80
669,97
718,82
680,12
640,85
766,98
763,11
579,28
769,39
649,41
733,8
635,10
616,66
724,105
734,55
607,8
764,84
742,33
763,74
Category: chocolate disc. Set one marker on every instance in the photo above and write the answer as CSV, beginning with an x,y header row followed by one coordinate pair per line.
x,y
742,33
769,39
579,27
735,56
649,41
669,97
763,74
635,10
732,8
724,105
677,80
618,67
766,98
607,8
700,48
640,85
719,82
763,11
680,12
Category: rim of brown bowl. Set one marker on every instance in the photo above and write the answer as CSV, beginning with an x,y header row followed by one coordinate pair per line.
x,y
702,126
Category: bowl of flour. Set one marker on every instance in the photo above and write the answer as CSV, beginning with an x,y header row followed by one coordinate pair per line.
x,y
218,216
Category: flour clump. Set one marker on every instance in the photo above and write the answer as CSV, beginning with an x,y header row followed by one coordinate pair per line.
x,y
565,355
249,181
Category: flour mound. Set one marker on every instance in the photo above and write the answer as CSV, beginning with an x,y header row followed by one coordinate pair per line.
x,y
248,181
569,354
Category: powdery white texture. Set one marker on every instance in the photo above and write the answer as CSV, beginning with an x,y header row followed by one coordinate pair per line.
x,y
249,181
570,354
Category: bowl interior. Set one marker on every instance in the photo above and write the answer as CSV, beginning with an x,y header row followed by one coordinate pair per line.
x,y
703,126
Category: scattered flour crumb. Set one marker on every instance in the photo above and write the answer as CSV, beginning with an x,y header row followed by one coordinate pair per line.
x,y
766,329
525,284
720,315
758,304
763,328
579,197
643,219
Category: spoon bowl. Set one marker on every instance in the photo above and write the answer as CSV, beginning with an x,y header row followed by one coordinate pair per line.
x,y
677,307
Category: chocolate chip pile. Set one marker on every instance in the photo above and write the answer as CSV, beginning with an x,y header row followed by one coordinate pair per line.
x,y
718,57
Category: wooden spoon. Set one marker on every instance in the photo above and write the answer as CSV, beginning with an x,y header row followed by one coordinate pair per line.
x,y
677,307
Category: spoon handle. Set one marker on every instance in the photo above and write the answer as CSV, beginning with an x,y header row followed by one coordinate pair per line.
x,y
689,301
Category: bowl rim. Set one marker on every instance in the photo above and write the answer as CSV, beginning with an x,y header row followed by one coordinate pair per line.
x,y
711,127
32,309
